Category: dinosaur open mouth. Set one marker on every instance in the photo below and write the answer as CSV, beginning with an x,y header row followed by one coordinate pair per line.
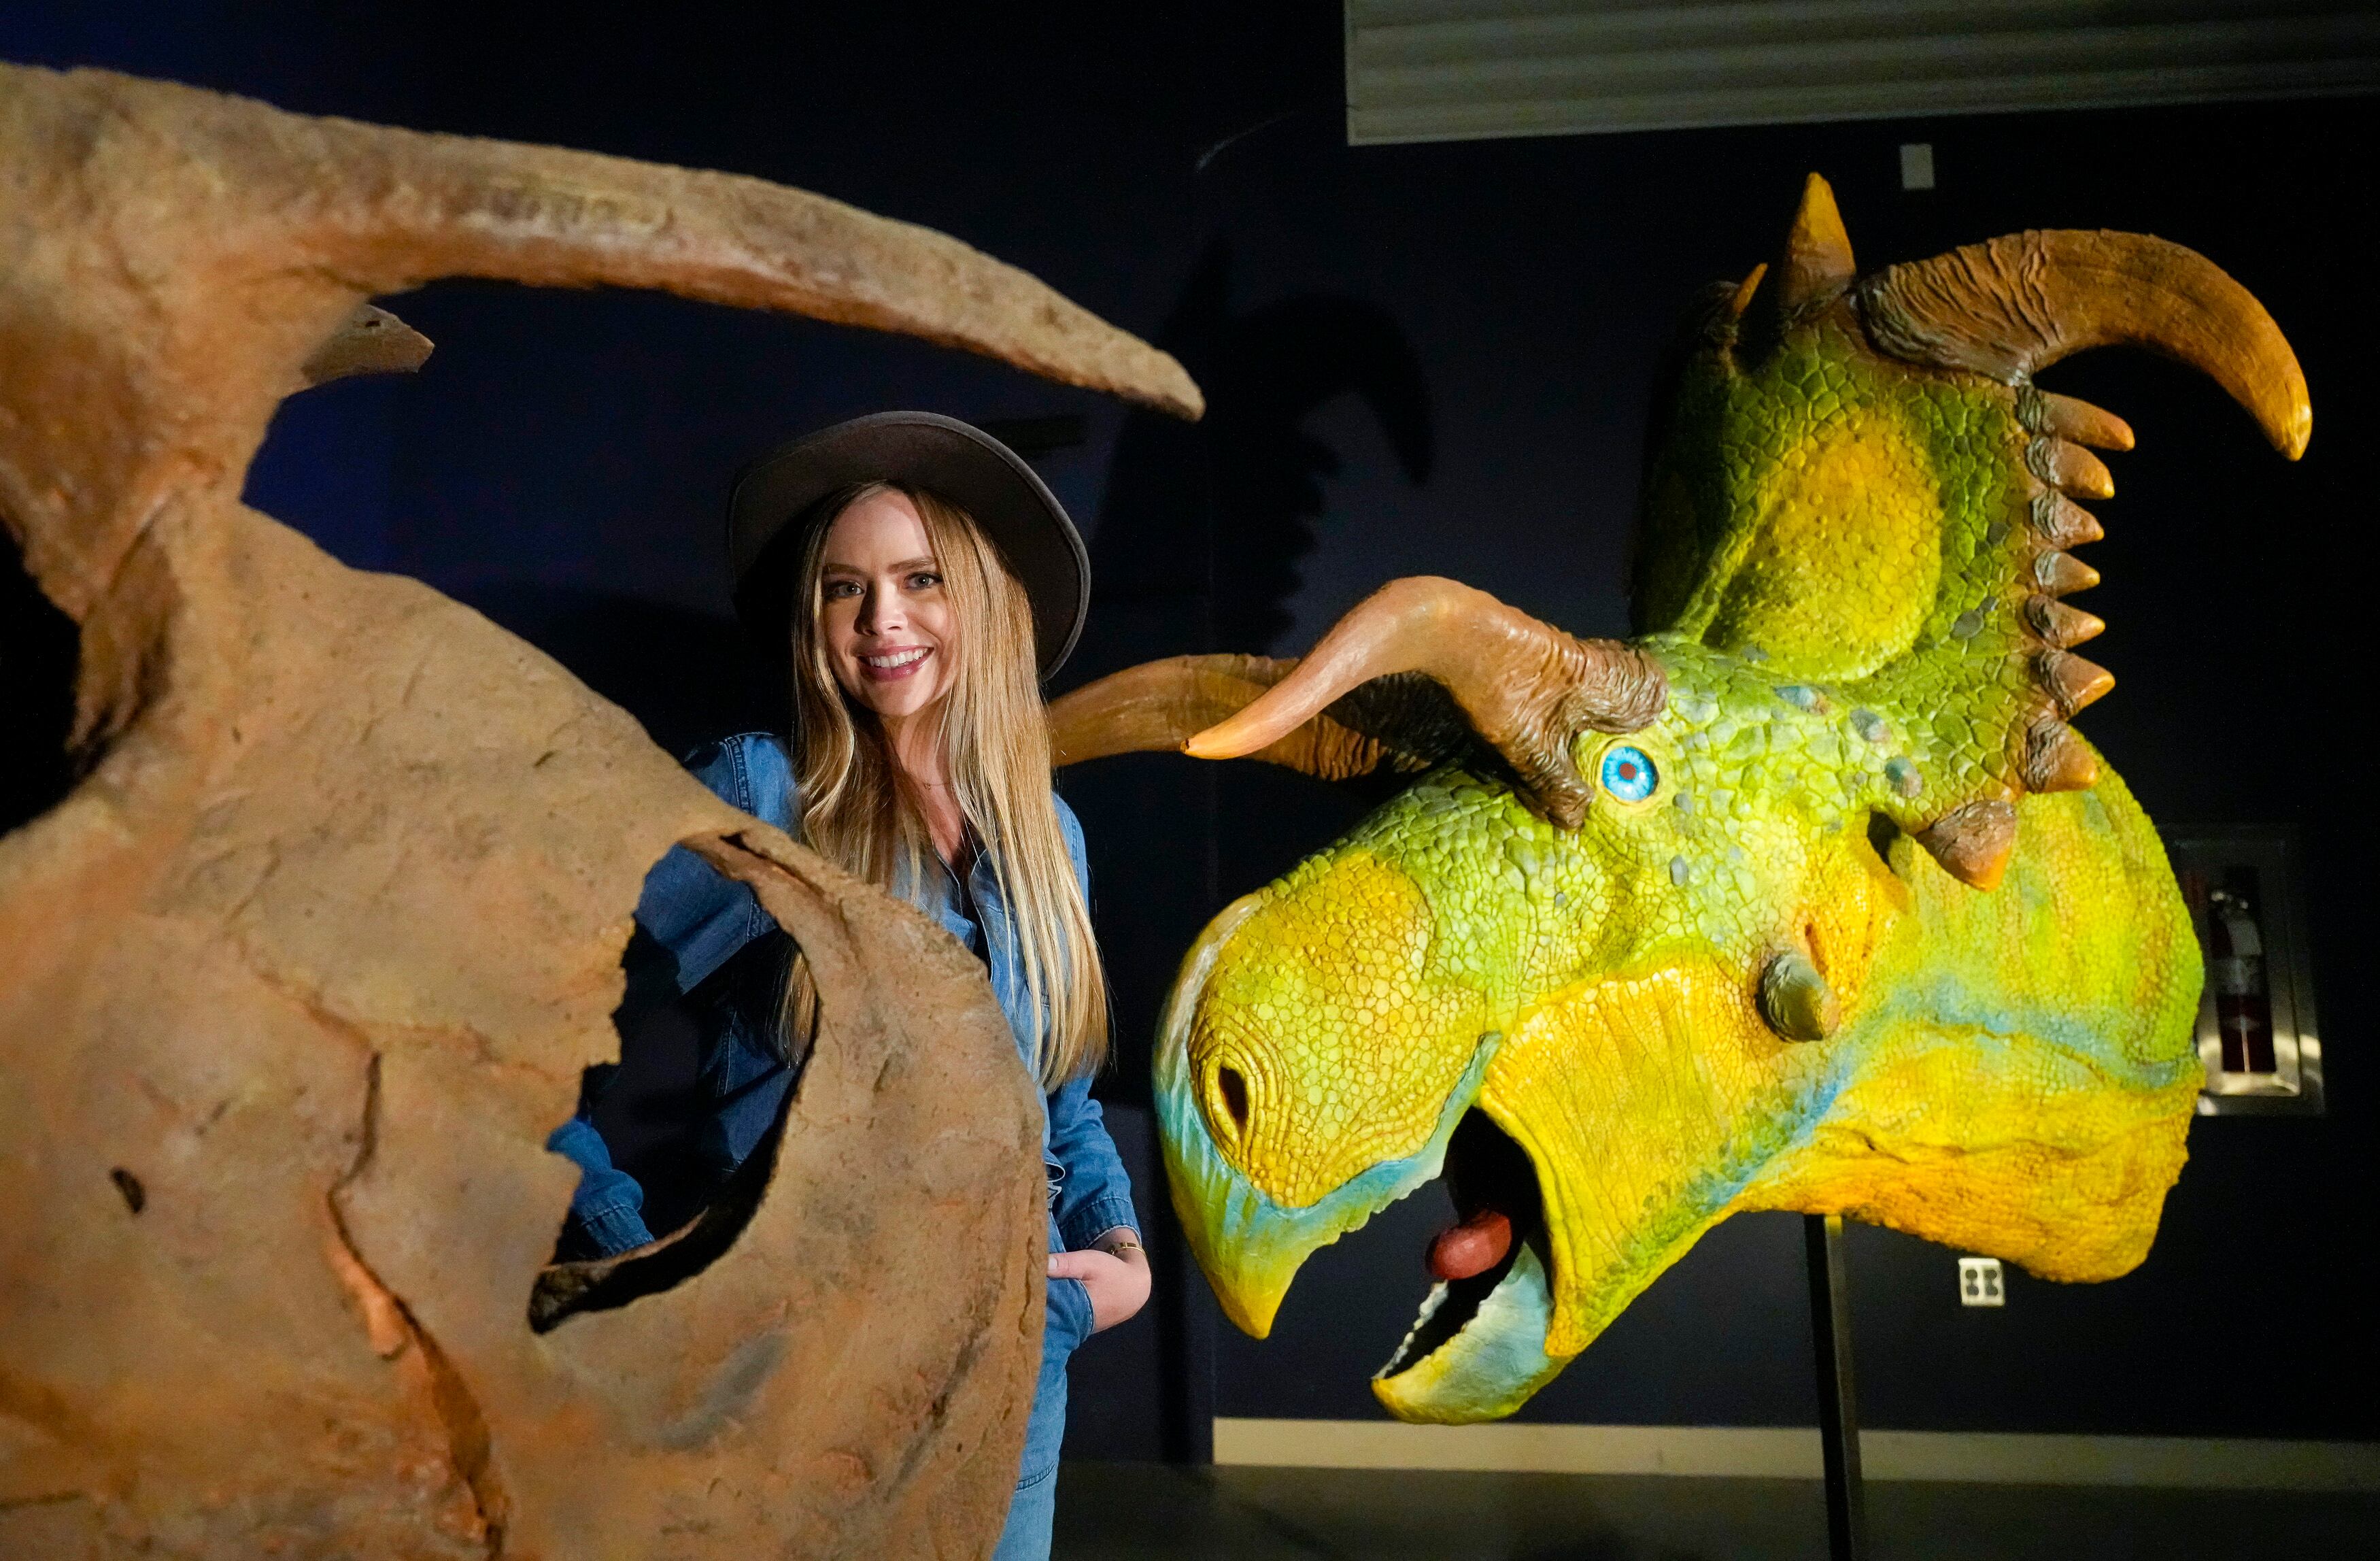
x,y
1493,1184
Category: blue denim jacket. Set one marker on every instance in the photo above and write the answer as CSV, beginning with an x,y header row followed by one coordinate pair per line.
x,y
696,923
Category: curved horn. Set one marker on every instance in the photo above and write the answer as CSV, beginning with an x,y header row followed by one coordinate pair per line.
x,y
174,257
1528,688
406,206
1402,725
2012,306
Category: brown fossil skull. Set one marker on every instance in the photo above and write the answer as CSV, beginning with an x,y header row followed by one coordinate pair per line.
x,y
303,970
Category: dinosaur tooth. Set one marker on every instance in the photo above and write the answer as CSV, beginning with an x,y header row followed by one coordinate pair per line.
x,y
1795,1000
1816,264
2063,464
2043,411
2060,625
2056,760
2071,680
2063,574
1972,841
2063,523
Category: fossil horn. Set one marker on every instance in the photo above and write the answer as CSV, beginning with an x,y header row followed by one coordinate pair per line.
x,y
2012,306
224,245
444,205
1528,688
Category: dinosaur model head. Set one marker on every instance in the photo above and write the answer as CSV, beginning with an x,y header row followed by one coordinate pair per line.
x,y
1807,898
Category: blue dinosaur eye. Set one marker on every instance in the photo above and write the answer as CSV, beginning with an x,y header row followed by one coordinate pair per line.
x,y
1627,773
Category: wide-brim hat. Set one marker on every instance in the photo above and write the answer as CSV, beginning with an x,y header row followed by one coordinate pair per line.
x,y
777,501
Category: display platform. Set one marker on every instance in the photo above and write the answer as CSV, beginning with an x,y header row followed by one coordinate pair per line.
x,y
1127,1512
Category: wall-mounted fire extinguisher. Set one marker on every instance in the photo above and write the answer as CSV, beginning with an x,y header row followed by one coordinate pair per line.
x,y
2243,1005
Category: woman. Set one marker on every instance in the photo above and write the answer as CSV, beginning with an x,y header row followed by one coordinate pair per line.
x,y
921,574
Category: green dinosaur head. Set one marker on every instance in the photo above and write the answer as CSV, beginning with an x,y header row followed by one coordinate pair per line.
x,y
1807,898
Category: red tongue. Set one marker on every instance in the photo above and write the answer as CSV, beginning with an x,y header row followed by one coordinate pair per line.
x,y
1475,1246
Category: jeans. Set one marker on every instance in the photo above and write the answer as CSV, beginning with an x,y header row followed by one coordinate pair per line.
x,y
1034,1507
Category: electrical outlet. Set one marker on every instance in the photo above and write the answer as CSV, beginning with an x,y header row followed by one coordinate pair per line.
x,y
1979,1283
1917,165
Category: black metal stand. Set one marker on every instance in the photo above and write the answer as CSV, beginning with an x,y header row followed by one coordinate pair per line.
x,y
1830,1330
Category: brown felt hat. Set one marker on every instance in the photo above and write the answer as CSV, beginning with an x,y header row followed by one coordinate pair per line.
x,y
779,499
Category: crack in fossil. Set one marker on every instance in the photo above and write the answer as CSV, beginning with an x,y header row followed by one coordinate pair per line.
x,y
46,1498
391,1325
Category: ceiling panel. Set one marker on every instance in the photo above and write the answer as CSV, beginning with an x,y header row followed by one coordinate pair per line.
x,y
1468,69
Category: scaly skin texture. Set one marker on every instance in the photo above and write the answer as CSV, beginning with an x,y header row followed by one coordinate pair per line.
x,y
1864,779
2010,1078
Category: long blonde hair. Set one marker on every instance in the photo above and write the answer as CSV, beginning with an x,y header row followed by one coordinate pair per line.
x,y
858,811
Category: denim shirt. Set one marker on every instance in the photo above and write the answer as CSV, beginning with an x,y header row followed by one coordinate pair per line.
x,y
697,930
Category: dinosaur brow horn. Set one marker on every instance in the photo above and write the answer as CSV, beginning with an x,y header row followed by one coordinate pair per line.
x,y
2012,306
1526,687
1402,725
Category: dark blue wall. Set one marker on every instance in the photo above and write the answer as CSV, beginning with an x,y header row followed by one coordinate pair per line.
x,y
1424,359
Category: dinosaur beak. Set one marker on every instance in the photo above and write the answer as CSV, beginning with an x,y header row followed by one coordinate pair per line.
x,y
1250,1245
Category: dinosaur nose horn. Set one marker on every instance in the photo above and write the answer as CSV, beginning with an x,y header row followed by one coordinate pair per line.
x,y
1528,688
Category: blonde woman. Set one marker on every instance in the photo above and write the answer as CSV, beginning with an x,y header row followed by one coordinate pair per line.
x,y
926,583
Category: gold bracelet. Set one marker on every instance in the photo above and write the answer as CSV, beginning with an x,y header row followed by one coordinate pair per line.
x,y
1128,1243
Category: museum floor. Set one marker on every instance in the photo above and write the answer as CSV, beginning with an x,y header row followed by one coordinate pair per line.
x,y
1123,1512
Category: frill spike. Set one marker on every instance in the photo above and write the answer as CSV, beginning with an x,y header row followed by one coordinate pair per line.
x,y
2043,411
1816,264
2060,625
1741,299
2071,680
2063,574
2056,760
2067,466
1973,842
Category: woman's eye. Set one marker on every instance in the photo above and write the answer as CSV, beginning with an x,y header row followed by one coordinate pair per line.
x,y
838,588
1627,773
924,580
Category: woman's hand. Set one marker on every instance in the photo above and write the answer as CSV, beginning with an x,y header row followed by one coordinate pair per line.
x,y
1115,1273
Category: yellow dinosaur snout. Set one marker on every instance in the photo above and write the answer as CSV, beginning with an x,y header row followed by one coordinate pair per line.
x,y
1324,1041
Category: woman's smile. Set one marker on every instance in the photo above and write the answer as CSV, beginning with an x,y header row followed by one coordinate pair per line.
x,y
886,666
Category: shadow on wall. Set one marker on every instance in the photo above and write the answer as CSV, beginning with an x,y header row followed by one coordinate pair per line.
x,y
1203,524
1197,550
